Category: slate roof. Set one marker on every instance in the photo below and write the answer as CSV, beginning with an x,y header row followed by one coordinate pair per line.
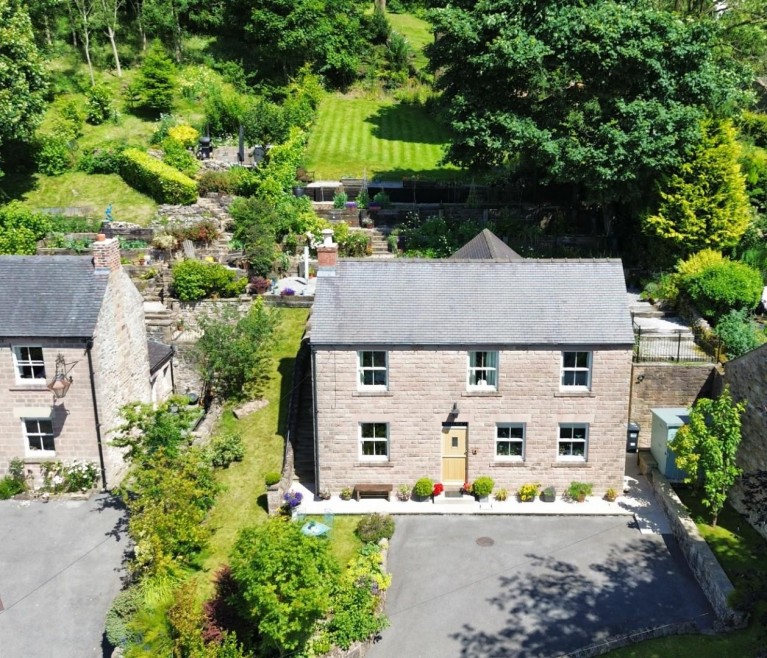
x,y
49,296
451,302
486,245
159,355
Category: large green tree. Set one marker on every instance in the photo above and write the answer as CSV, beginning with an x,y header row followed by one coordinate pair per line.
x,y
704,204
706,448
604,94
22,79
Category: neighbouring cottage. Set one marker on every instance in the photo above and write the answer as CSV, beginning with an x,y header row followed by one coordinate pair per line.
x,y
73,324
514,368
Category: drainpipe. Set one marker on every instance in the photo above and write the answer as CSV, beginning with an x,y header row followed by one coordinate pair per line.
x,y
314,423
88,348
172,377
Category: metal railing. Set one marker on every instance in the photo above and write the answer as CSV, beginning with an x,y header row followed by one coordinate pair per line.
x,y
679,348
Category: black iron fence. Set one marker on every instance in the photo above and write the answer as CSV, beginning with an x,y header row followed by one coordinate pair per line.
x,y
677,348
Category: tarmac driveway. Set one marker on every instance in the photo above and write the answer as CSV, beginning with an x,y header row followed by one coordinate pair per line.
x,y
529,586
60,568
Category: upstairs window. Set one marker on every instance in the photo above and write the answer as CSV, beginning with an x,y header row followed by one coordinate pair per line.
x,y
372,369
483,370
29,363
576,369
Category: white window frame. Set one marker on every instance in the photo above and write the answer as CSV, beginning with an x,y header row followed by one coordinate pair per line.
x,y
575,370
522,441
19,363
375,440
28,449
363,369
472,371
571,427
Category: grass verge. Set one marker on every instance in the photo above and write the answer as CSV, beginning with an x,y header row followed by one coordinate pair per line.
x,y
359,137
416,31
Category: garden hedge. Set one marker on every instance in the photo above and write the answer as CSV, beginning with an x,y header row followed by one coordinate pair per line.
x,y
157,179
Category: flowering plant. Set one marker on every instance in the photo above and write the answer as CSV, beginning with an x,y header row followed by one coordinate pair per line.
x,y
466,488
293,499
287,292
438,489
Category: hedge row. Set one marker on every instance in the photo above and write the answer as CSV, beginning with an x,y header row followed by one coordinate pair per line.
x,y
157,179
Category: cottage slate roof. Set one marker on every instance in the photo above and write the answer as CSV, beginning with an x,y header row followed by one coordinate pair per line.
x,y
159,355
49,296
452,302
486,245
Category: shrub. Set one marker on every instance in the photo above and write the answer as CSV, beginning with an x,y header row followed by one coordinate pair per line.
x,y
98,104
423,487
375,527
194,280
225,449
236,180
403,492
724,287
59,477
501,494
363,198
665,287
260,284
155,85
754,125
105,159
528,492
177,156
184,134
54,153
118,617
340,199
205,231
272,478
738,333
699,262
579,490
157,179
164,241
9,487
482,486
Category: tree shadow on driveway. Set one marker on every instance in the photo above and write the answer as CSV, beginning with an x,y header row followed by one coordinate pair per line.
x,y
554,606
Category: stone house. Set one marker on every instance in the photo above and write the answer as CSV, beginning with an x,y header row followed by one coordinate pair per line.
x,y
74,324
514,368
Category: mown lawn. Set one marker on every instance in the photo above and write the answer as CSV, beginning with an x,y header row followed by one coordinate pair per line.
x,y
741,551
359,137
416,31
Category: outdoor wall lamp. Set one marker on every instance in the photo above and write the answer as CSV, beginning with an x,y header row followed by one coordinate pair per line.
x,y
454,410
61,381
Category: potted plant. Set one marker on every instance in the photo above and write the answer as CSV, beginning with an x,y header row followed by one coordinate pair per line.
x,y
527,492
548,495
339,200
501,495
610,495
272,479
323,494
482,487
438,489
423,489
466,489
363,199
346,493
298,189
579,490
403,492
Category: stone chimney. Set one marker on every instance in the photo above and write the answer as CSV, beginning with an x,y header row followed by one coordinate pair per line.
x,y
327,254
106,254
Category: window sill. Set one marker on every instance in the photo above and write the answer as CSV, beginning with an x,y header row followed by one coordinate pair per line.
x,y
41,387
373,464
373,394
583,464
481,394
574,394
508,464
39,458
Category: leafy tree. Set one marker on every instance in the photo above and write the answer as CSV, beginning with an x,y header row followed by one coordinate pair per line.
x,y
721,288
602,94
156,82
704,203
285,580
108,12
738,332
83,15
22,77
233,351
706,448
21,228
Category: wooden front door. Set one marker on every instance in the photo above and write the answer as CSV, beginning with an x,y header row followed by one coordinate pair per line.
x,y
454,454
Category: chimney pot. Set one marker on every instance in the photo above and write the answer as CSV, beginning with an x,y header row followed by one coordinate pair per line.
x,y
101,237
106,254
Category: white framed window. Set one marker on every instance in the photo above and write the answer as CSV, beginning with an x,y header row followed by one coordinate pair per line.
x,y
39,435
374,441
510,441
573,442
483,370
28,360
576,370
373,369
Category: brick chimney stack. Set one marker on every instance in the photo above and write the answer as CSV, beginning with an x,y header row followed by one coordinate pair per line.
x,y
327,254
106,254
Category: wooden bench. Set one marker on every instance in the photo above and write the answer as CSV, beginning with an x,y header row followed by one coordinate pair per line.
x,y
373,490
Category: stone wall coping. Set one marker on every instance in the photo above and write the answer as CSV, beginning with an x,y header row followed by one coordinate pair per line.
x,y
703,563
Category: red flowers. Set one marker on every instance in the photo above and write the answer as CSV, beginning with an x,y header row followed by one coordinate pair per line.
x,y
438,489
